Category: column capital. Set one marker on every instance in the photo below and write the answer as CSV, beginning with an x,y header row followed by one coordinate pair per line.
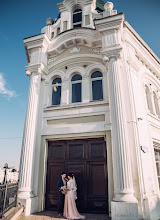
x,y
36,69
114,54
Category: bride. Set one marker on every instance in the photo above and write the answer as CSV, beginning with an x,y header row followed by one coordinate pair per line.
x,y
70,209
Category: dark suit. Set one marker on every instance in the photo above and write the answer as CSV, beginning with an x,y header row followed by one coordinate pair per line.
x,y
61,197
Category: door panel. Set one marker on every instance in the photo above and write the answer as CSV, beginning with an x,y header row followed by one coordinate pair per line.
x,y
78,169
53,171
97,187
86,159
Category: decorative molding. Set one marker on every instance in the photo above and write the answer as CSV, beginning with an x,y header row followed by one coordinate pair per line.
x,y
28,73
142,57
36,68
51,60
109,23
95,50
133,64
95,66
75,50
74,57
43,77
110,54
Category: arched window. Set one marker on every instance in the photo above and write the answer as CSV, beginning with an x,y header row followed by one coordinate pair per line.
x,y
148,97
58,31
56,91
156,104
76,88
77,18
97,87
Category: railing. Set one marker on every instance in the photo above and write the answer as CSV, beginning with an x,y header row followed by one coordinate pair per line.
x,y
8,197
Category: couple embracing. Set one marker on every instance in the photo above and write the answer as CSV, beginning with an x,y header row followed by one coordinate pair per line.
x,y
67,196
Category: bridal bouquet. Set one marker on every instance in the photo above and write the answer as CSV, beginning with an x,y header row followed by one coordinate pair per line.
x,y
63,188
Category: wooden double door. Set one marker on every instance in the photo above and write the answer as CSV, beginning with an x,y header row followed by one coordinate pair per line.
x,y
86,159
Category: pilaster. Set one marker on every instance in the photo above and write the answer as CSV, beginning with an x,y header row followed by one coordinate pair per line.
x,y
65,92
153,102
86,89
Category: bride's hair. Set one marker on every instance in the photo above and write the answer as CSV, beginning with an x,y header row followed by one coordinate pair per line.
x,y
70,174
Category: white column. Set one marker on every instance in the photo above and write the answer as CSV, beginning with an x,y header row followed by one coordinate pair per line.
x,y
124,205
123,185
26,163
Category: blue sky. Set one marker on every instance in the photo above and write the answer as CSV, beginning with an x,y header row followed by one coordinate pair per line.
x,y
20,19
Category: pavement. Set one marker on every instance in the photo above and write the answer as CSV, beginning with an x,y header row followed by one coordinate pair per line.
x,y
51,215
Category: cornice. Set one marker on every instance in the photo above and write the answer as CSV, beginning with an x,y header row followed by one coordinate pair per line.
x,y
37,42
142,50
148,63
109,23
126,24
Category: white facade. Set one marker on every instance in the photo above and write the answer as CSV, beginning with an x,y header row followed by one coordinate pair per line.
x,y
128,117
12,176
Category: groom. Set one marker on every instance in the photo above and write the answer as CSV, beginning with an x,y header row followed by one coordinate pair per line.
x,y
61,182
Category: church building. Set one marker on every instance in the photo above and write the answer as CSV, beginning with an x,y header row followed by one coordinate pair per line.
x,y
93,110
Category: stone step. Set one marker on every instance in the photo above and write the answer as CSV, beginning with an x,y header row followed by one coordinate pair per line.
x,y
14,213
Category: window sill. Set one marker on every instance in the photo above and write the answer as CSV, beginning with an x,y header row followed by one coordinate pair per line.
x,y
76,105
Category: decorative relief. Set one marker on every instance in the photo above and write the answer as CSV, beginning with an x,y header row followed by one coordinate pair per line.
x,y
75,50
28,73
50,61
115,53
95,50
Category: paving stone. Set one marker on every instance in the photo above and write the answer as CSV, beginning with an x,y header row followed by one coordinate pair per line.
x,y
50,215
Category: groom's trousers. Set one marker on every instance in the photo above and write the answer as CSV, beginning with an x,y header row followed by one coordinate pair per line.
x,y
61,203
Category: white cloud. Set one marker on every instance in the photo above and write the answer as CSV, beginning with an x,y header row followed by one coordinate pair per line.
x,y
4,90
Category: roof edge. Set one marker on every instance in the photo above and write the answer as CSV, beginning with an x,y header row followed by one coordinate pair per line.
x,y
142,41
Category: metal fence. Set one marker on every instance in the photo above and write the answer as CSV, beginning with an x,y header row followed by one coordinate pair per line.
x,y
8,197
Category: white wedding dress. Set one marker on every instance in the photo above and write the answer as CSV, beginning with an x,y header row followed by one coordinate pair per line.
x,y
70,209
